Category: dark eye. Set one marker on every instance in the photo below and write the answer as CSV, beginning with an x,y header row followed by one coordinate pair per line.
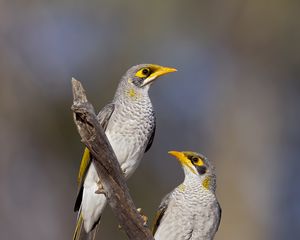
x,y
194,159
146,71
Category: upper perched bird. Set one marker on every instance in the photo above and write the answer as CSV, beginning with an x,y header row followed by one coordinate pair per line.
x,y
129,125
190,211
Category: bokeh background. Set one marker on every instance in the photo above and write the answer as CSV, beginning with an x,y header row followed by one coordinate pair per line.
x,y
235,98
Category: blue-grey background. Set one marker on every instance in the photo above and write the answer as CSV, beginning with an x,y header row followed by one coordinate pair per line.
x,y
235,99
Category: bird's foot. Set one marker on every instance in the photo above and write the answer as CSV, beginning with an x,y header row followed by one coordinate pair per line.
x,y
100,189
144,217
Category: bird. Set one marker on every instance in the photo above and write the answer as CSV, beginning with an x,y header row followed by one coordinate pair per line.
x,y
191,210
129,124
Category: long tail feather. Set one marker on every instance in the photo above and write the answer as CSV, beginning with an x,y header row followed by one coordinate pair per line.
x,y
92,234
80,234
79,227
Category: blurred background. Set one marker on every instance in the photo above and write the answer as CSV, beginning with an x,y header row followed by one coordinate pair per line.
x,y
235,99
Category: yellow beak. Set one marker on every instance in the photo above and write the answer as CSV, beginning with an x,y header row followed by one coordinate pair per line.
x,y
158,71
184,161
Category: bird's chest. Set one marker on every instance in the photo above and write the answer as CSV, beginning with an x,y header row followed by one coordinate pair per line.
x,y
200,212
205,221
189,216
129,131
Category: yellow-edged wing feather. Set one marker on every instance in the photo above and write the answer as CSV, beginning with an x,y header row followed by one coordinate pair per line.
x,y
103,118
78,228
160,213
85,162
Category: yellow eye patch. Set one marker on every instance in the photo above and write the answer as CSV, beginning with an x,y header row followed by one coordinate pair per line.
x,y
197,161
144,72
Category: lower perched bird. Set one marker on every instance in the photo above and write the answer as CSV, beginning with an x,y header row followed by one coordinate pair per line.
x,y
129,125
190,211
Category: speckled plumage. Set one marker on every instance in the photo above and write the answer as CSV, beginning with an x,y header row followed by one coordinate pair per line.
x,y
129,130
128,135
129,124
190,211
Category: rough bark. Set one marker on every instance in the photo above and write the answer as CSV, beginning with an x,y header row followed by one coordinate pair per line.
x,y
107,166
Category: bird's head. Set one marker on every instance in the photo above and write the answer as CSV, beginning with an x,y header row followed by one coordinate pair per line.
x,y
197,166
138,79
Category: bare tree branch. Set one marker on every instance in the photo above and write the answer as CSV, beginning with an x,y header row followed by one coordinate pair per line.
x,y
107,166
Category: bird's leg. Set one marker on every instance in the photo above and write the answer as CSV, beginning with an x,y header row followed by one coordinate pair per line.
x,y
100,189
144,217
